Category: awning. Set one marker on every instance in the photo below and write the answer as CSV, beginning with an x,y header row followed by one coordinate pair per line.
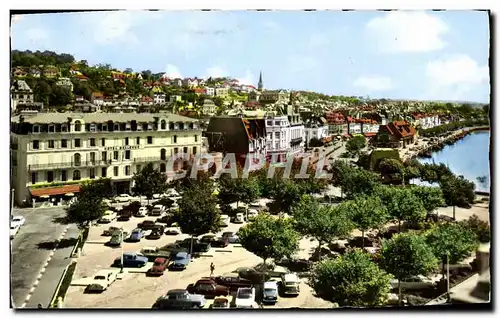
x,y
51,191
370,134
347,136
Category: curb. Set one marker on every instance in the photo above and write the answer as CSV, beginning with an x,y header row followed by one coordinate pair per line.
x,y
42,271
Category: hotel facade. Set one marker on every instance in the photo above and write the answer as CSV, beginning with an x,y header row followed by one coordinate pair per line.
x,y
52,152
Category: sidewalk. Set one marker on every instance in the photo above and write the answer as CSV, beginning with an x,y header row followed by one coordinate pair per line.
x,y
53,273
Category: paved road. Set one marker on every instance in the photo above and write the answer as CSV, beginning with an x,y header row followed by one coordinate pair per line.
x,y
53,273
27,258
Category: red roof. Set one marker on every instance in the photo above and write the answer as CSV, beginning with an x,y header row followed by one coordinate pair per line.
x,y
401,129
369,134
72,188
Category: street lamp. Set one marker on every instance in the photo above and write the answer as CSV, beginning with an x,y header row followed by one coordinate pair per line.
x,y
121,246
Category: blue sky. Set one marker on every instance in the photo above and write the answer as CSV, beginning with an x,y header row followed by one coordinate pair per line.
x,y
402,55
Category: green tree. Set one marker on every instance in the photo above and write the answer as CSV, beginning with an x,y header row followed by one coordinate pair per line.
x,y
269,237
367,212
42,91
149,181
198,213
101,188
402,204
406,256
321,222
457,191
479,227
391,169
218,101
84,211
61,96
452,241
351,280
431,197
359,182
238,189
285,194
355,144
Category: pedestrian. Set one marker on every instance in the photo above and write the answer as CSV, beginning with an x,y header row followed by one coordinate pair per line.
x,y
40,306
212,268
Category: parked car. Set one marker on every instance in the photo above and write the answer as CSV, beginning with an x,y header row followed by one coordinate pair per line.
x,y
208,288
157,210
110,231
13,230
215,241
124,215
131,260
220,303
136,235
172,231
252,274
414,283
180,261
116,239
252,214
231,236
198,247
155,234
146,225
142,212
152,253
290,284
159,266
239,218
102,280
245,298
158,227
270,292
180,299
122,198
17,221
108,217
233,282
225,220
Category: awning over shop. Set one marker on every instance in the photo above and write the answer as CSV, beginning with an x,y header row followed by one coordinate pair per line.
x,y
370,134
51,191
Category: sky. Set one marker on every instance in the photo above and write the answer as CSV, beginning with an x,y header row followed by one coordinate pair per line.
x,y
426,55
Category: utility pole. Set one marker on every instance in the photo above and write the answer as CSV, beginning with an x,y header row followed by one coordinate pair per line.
x,y
12,200
121,245
448,278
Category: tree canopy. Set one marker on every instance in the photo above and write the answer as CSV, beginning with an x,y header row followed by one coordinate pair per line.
x,y
367,212
451,239
149,181
402,204
431,197
355,144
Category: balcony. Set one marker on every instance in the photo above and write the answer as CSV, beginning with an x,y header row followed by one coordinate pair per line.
x,y
71,164
148,159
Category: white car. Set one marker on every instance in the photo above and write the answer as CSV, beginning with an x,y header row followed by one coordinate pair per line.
x,y
231,237
123,198
172,231
252,214
255,205
13,230
224,220
245,298
142,212
108,217
270,292
17,220
290,284
157,210
102,280
239,218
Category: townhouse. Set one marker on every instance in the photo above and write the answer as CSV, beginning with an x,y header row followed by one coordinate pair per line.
x,y
396,134
425,121
317,128
20,93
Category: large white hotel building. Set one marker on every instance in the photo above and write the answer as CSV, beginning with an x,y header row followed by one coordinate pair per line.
x,y
52,152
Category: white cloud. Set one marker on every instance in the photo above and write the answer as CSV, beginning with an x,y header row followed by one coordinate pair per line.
x,y
455,76
404,31
299,63
374,83
172,71
16,18
248,79
215,71
115,26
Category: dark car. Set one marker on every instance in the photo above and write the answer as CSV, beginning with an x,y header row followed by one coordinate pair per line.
x,y
110,231
124,215
155,235
146,225
198,247
252,274
215,241
136,235
208,288
131,260
180,299
233,282
166,219
158,227
180,261
159,267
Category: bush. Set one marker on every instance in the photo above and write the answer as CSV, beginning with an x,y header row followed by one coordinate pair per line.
x,y
65,282
479,227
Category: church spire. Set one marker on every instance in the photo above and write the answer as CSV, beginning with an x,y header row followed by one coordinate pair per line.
x,y
260,86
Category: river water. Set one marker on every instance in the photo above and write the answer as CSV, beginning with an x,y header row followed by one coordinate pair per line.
x,y
468,157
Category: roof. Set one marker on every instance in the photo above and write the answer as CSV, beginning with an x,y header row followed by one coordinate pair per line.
x,y
48,118
290,277
55,190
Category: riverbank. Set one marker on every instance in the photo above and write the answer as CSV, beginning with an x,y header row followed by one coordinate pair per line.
x,y
432,145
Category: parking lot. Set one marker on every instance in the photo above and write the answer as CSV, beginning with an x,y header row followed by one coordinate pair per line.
x,y
30,248
136,290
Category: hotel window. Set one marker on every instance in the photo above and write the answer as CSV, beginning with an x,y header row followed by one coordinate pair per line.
x,y
36,129
144,127
116,127
92,157
92,142
185,149
76,175
138,140
115,155
104,171
77,143
150,140
269,122
50,176
127,170
92,127
52,128
195,138
104,127
194,150
175,139
277,134
126,141
64,143
78,126
36,144
163,154
51,144
64,128
104,156
176,151
63,175
103,142
115,171
127,154
163,125
163,167
276,123
33,177
92,173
